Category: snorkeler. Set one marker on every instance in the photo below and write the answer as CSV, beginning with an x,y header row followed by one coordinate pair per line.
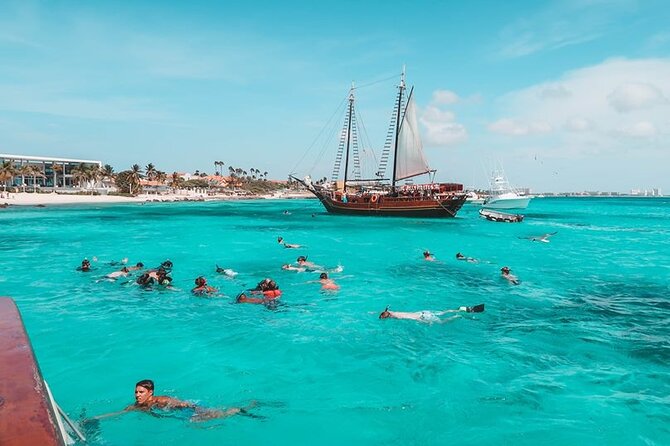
x,y
428,256
226,271
145,401
460,256
544,238
505,272
266,292
281,241
158,277
85,266
201,287
326,283
137,267
289,267
310,266
429,317
123,272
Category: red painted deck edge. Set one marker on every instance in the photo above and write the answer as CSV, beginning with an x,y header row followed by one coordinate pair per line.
x,y
26,417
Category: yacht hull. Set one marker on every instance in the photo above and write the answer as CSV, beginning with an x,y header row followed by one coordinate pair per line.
x,y
507,203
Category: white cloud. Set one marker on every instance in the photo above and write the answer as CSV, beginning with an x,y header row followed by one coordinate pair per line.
x,y
444,97
514,127
440,127
642,129
591,114
578,124
635,95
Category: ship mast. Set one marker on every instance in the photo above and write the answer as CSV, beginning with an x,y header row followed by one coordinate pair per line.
x,y
346,158
401,88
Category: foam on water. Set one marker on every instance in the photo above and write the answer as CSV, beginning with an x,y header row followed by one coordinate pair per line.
x,y
576,354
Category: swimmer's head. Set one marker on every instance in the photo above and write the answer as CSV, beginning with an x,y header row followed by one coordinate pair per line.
x,y
140,265
385,314
426,254
143,391
124,269
272,285
287,266
167,264
504,270
279,239
323,276
459,255
200,281
301,259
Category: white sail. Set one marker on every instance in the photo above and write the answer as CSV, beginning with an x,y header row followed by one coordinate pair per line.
x,y
410,160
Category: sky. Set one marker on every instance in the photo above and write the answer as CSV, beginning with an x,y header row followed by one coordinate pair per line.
x,y
566,95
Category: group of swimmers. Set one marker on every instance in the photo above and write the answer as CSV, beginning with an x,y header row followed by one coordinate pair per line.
x,y
505,272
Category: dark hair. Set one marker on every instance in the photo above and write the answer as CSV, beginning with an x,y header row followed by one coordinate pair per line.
x,y
301,258
426,253
323,276
146,383
140,264
125,269
200,281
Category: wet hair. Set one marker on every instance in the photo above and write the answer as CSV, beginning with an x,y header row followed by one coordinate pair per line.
x,y
279,239
426,253
301,259
200,281
504,269
124,269
272,285
458,255
167,264
140,264
85,262
323,276
384,314
146,383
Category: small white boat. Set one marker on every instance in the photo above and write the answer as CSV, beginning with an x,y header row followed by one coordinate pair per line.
x,y
474,198
503,196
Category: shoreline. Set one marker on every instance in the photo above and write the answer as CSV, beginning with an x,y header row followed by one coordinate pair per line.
x,y
8,200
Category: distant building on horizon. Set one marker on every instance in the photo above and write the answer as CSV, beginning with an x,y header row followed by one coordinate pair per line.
x,y
55,172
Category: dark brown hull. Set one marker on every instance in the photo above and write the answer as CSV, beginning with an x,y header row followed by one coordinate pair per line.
x,y
428,207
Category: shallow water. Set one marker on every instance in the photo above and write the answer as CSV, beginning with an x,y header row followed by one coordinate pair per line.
x,y
576,354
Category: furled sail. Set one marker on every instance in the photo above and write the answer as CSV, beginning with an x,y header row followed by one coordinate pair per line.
x,y
410,160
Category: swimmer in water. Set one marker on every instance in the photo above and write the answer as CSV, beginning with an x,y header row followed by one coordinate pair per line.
x,y
506,274
85,266
266,291
145,401
289,267
201,287
281,241
123,272
327,284
310,266
429,317
544,238
137,267
428,256
226,271
460,256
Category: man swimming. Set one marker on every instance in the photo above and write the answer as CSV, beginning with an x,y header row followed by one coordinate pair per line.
x,y
429,317
460,256
289,267
281,241
85,266
327,284
201,287
123,272
226,271
145,401
427,256
310,266
505,272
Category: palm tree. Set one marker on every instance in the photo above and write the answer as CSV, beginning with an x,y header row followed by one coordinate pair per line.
x,y
7,172
35,172
134,177
150,172
265,175
175,180
79,174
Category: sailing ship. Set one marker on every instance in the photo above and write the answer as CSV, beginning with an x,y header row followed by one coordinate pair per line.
x,y
380,196
504,196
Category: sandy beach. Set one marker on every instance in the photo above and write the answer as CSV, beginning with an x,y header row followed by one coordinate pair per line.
x,y
53,199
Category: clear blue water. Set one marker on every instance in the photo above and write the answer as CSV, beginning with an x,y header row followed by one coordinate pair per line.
x,y
576,354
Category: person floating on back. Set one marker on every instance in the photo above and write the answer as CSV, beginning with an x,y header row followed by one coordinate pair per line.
x,y
201,287
429,317
506,274
145,401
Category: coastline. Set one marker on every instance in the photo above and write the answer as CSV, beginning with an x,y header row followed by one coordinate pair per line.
x,y
53,199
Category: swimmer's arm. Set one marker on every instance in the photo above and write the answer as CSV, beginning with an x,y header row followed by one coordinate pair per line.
x,y
173,403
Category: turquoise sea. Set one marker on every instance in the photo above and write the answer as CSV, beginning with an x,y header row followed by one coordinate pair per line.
x,y
578,353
